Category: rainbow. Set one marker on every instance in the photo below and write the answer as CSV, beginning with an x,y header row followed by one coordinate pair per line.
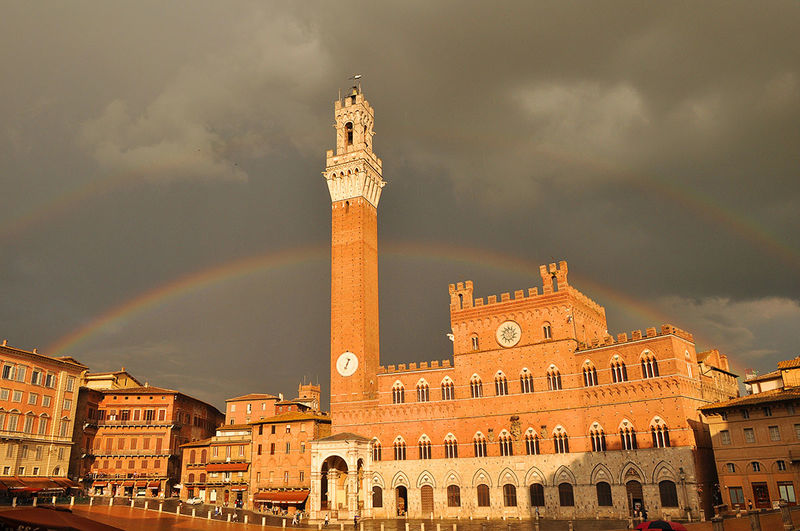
x,y
290,258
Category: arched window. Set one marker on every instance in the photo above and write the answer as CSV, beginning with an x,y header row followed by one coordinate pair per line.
x,y
526,381
604,495
483,495
589,374
627,436
377,496
537,495
191,478
649,365
618,371
423,394
475,386
479,444
348,131
500,384
531,443
660,435
509,495
560,441
668,492
547,331
203,456
202,477
424,448
598,437
191,457
398,393
57,471
506,444
399,450
450,446
453,496
566,498
474,340
448,389
376,450
553,379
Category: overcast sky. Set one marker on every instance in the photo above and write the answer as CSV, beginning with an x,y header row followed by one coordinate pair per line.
x,y
654,146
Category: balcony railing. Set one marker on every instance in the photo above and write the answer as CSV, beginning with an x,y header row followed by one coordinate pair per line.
x,y
129,423
33,437
100,452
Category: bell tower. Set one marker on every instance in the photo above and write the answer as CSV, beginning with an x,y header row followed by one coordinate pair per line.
x,y
353,174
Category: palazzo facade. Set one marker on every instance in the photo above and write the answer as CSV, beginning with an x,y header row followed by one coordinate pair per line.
x,y
539,410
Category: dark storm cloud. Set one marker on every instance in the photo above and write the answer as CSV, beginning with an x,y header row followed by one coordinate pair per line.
x,y
651,145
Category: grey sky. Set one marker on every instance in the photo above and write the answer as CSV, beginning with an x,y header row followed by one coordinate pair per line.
x,y
652,145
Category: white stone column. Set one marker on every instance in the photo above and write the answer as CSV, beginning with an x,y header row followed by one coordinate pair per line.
x,y
352,491
332,475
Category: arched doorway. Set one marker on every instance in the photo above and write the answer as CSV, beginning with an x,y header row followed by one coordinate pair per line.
x,y
426,499
333,484
635,497
401,500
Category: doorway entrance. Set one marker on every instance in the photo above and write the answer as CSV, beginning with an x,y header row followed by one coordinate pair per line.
x,y
635,497
401,500
761,496
426,494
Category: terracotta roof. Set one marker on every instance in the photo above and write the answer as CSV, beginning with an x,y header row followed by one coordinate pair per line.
x,y
252,396
113,373
201,442
344,437
62,359
765,376
235,427
789,364
148,389
775,395
291,416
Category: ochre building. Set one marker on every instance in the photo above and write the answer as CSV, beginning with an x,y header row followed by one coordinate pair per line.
x,y
38,404
757,440
538,409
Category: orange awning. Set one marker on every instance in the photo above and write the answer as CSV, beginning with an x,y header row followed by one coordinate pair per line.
x,y
128,484
99,484
141,483
281,496
227,467
154,484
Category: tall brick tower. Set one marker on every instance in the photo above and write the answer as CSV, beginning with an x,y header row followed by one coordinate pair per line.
x,y
353,175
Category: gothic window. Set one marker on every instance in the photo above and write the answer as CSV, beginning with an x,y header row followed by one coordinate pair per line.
x,y
509,495
604,495
348,130
479,444
398,393
649,365
526,381
537,494
553,379
376,450
453,496
531,443
560,441
589,375
500,384
566,497
399,450
660,435
424,448
669,494
475,387
474,340
450,447
618,371
506,444
423,392
483,495
547,331
598,437
627,437
448,389
377,496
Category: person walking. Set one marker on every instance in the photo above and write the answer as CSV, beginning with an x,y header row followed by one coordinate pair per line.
x,y
327,519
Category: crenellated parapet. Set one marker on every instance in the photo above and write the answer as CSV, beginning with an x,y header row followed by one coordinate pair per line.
x,y
414,367
637,335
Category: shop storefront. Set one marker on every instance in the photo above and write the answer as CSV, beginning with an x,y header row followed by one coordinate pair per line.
x,y
281,501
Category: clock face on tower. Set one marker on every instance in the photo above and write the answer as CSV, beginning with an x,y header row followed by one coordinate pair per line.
x,y
347,363
508,334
